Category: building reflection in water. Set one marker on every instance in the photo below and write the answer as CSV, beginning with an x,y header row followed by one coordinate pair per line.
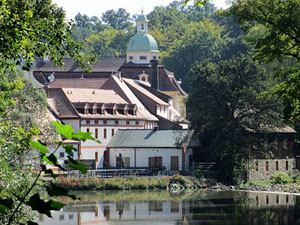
x,y
212,208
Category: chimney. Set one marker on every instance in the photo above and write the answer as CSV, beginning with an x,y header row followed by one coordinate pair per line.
x,y
154,74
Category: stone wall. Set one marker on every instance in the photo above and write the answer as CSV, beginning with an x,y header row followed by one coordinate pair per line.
x,y
263,169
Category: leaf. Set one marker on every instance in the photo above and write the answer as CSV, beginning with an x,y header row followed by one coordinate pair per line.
x,y
38,145
65,130
48,171
32,223
36,203
52,160
5,204
69,148
83,136
76,165
55,190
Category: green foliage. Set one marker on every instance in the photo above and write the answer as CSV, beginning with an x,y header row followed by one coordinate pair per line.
x,y
281,178
275,35
109,43
34,28
119,20
199,41
227,105
280,20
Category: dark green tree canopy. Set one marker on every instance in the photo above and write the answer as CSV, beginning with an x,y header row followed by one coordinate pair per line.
x,y
280,35
228,103
119,20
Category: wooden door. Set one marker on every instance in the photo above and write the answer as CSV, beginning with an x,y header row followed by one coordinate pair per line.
x,y
174,163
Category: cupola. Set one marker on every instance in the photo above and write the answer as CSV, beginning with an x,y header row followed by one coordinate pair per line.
x,y
142,47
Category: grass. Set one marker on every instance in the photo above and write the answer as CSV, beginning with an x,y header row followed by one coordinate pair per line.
x,y
129,183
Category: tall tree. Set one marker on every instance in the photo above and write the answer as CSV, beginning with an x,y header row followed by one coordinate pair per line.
x,y
200,41
226,106
119,20
27,29
278,39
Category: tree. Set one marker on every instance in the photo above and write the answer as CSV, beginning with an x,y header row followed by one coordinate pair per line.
x,y
228,103
119,20
278,39
28,29
109,43
280,19
200,41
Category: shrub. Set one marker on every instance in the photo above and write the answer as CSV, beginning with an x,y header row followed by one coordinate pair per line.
x,y
281,178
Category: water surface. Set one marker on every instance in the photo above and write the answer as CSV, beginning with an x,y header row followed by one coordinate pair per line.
x,y
163,208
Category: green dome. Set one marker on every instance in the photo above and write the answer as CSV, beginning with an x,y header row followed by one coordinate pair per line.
x,y
142,43
142,17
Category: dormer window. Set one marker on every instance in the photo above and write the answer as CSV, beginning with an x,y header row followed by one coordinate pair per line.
x,y
154,57
143,77
131,57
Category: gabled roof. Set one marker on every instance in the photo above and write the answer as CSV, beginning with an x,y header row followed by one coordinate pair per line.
x,y
150,139
92,95
121,88
78,83
102,65
60,104
145,92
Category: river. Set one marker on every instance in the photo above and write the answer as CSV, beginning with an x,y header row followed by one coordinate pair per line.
x,y
164,208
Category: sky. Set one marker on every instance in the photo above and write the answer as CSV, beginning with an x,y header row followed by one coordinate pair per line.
x,y
97,7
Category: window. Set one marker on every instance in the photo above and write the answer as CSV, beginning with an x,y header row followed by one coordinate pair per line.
x,y
174,206
154,57
131,57
267,166
61,217
87,129
127,122
87,121
287,165
143,57
277,165
61,155
142,26
71,216
96,156
267,199
112,132
155,162
256,168
96,132
143,78
105,133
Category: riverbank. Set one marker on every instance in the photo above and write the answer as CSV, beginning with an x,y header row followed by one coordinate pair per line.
x,y
173,183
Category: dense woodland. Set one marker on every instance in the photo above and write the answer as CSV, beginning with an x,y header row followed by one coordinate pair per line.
x,y
240,67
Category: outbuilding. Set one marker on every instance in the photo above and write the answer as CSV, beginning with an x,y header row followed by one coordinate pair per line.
x,y
161,149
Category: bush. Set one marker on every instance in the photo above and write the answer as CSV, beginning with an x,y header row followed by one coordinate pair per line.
x,y
281,178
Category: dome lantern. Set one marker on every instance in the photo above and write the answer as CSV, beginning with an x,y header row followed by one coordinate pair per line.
x,y
142,47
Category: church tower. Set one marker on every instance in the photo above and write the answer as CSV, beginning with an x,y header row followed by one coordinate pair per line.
x,y
142,47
